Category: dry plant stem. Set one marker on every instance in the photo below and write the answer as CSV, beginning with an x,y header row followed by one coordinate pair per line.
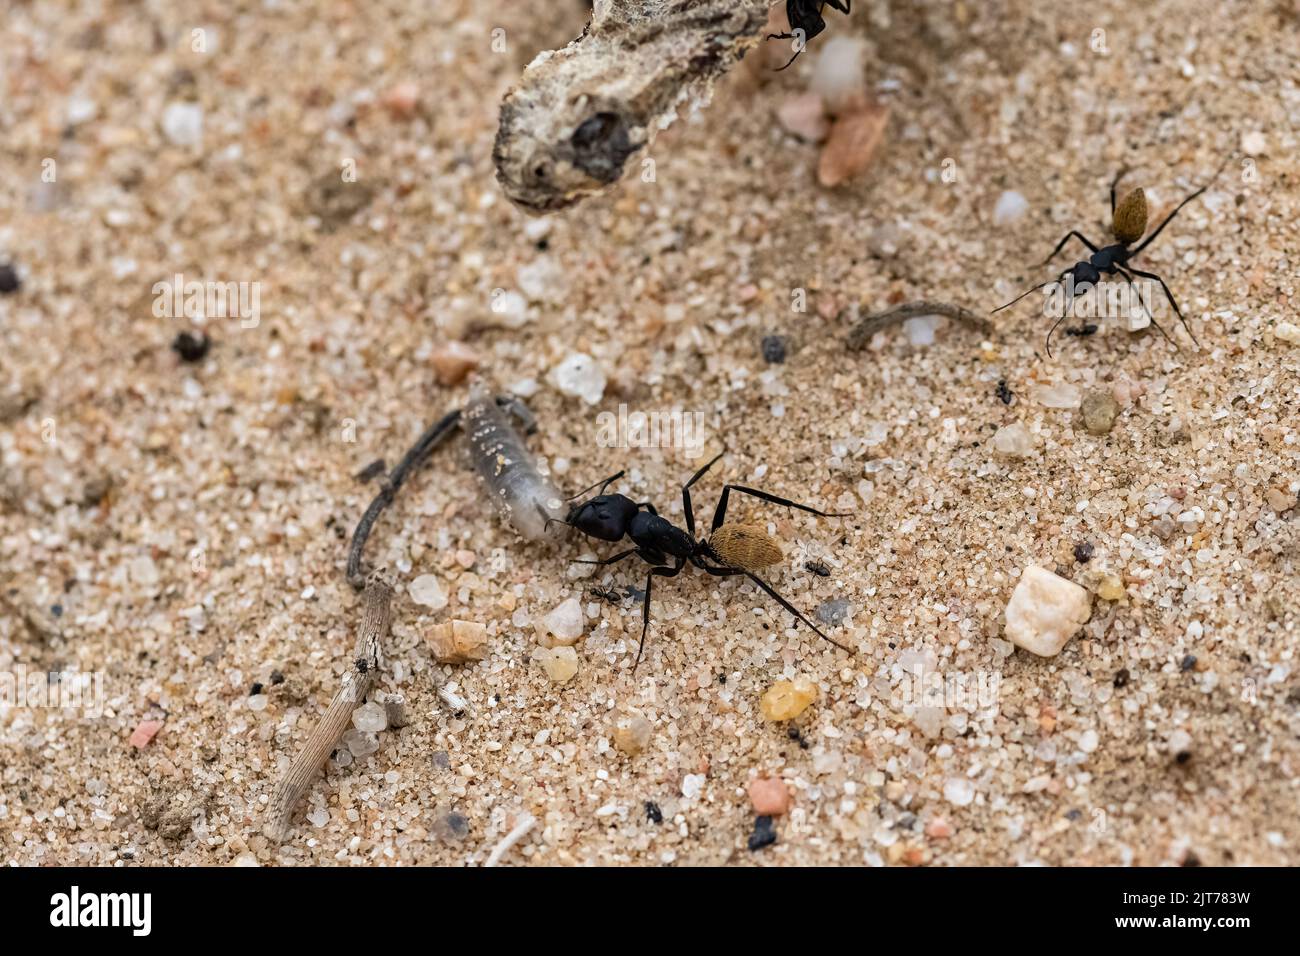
x,y
578,114
375,619
433,436
869,325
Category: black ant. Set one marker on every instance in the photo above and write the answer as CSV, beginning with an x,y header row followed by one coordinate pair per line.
x,y
806,21
1128,223
729,550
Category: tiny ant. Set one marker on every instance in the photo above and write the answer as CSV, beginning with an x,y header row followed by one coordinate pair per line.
x,y
806,21
818,568
1128,223
609,595
730,549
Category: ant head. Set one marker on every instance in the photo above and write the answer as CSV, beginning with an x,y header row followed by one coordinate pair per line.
x,y
1131,217
605,516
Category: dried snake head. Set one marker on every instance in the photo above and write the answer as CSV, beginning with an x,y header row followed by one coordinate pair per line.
x,y
577,114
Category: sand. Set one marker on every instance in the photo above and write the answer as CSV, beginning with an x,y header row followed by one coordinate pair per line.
x,y
189,520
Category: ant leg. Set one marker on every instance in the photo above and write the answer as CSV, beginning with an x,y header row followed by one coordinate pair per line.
x,y
1172,301
1147,308
645,607
720,513
615,559
729,572
1072,234
686,493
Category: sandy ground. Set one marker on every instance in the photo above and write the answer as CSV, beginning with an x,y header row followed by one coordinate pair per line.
x,y
179,529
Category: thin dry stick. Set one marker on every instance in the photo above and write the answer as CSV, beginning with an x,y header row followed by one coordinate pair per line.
x,y
375,619
861,333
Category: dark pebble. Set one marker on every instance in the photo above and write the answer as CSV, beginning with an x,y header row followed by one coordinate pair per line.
x,y
191,347
1083,552
1189,662
56,610
653,813
1121,678
1004,393
9,281
255,689
774,349
764,833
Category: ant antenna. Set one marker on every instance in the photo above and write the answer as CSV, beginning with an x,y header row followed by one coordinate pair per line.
x,y
1023,294
600,484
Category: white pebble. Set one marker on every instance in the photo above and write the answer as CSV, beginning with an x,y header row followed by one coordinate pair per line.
x,y
370,718
564,624
692,785
1254,143
542,280
1010,208
1057,396
920,330
1088,741
428,591
360,743
1288,332
579,375
182,124
838,73
1013,441
958,791
510,308
1045,611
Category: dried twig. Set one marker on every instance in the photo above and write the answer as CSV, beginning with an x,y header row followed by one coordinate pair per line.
x,y
868,326
357,681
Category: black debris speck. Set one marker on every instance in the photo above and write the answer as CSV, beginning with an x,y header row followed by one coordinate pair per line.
x,y
1083,552
653,813
277,677
191,347
255,689
764,833
56,610
1004,393
9,281
1188,662
1121,678
774,349
1183,756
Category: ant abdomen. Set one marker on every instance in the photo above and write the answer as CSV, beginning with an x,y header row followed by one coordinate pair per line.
x,y
745,546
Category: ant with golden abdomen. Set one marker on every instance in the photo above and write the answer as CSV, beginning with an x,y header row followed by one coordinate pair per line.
x,y
1128,223
731,548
